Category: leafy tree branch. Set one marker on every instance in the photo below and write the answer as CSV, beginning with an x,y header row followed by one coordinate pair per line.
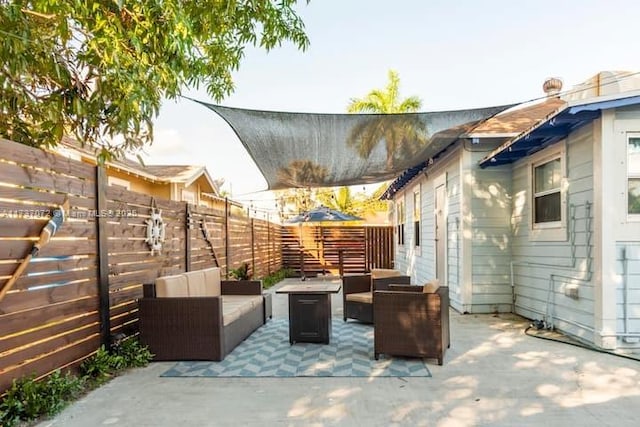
x,y
99,70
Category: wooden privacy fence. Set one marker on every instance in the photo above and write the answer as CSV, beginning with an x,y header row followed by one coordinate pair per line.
x,y
83,286
336,249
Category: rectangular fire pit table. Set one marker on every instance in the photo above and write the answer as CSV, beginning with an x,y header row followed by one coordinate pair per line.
x,y
310,311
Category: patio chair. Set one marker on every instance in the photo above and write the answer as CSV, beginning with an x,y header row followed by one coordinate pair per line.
x,y
357,292
411,322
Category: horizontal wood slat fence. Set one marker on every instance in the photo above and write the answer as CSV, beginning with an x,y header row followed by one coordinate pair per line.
x,y
336,250
83,286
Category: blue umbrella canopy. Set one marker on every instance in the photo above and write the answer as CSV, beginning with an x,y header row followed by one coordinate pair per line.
x,y
321,214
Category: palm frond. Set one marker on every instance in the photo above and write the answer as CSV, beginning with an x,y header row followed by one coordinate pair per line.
x,y
410,105
362,106
392,91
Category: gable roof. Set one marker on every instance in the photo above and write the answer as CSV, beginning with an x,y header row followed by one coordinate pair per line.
x,y
161,174
556,127
509,123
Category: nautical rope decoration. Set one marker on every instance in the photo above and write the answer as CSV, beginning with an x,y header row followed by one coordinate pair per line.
x,y
155,229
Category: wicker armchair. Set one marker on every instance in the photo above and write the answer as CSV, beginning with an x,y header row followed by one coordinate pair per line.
x,y
408,322
357,294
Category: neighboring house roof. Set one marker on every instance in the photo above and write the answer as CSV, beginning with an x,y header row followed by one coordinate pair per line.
x,y
185,174
557,127
509,123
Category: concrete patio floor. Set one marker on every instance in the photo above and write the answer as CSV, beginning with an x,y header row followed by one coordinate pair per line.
x,y
494,375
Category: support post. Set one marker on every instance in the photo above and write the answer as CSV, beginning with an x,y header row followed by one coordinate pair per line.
x,y
253,250
226,237
187,238
103,258
268,245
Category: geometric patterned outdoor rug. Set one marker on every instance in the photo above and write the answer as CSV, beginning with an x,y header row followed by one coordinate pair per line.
x,y
267,353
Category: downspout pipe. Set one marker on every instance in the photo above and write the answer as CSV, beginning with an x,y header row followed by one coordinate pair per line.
x,y
625,290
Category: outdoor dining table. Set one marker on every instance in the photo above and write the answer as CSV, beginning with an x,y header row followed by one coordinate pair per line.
x,y
310,311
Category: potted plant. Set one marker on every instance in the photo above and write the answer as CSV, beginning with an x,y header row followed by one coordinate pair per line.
x,y
241,274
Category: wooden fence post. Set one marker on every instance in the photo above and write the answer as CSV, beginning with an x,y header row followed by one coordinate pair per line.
x,y
268,245
187,238
253,250
103,257
226,237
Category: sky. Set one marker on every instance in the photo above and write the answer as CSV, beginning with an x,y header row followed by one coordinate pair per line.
x,y
451,54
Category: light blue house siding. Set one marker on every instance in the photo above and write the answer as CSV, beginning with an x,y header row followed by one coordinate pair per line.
x,y
477,220
624,229
489,221
580,275
454,236
628,293
552,274
420,261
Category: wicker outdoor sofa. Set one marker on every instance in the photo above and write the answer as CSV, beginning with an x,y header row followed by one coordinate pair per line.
x,y
196,316
357,292
412,321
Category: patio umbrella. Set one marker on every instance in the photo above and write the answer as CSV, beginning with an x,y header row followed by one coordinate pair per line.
x,y
318,215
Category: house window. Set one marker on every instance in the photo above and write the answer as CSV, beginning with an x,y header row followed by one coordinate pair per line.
x,y
547,193
633,175
400,221
113,181
416,217
188,196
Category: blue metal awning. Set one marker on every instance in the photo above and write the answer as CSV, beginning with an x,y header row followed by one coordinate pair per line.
x,y
402,180
408,174
553,130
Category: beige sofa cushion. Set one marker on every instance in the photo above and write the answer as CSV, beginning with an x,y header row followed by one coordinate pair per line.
x,y
378,273
364,297
431,286
235,306
196,283
172,286
212,282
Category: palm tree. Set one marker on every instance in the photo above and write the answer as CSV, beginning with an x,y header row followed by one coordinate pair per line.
x,y
340,199
385,101
401,133
301,173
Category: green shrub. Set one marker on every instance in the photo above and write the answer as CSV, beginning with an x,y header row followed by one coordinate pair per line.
x,y
273,278
133,354
240,273
126,353
100,366
28,399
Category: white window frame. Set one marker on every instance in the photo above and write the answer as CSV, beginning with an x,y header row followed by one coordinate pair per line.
x,y
630,216
400,221
188,196
119,182
556,230
417,212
